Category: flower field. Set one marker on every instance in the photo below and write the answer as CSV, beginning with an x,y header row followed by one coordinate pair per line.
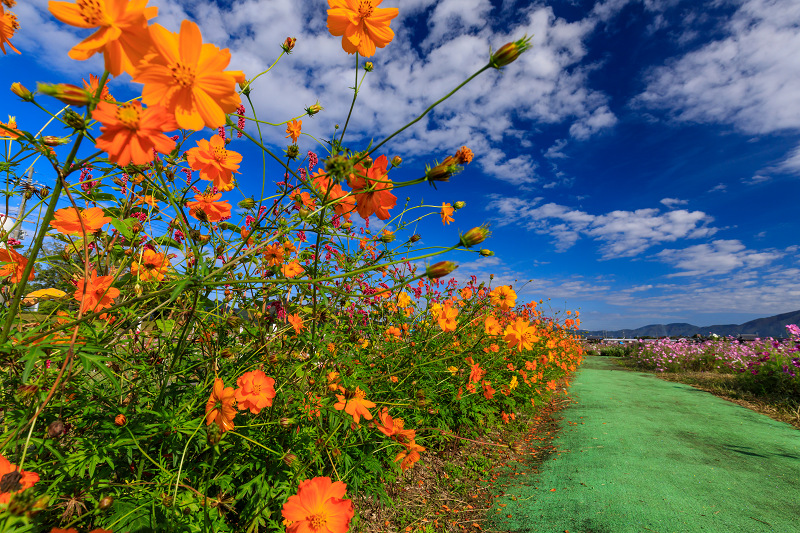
x,y
766,365
179,354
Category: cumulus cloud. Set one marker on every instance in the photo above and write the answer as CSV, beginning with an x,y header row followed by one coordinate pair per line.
x,y
715,258
546,85
623,233
749,79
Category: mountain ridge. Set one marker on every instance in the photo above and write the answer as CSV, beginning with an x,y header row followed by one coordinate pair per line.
x,y
771,326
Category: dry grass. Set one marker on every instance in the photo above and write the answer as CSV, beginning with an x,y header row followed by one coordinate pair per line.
x,y
453,490
728,387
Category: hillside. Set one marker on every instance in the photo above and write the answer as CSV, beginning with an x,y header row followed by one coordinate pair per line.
x,y
772,326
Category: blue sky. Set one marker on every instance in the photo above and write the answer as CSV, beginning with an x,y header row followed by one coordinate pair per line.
x,y
640,163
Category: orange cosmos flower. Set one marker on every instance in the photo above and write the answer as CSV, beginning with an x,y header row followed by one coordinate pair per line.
x,y
14,480
68,220
447,214
520,335
220,408
371,188
488,391
410,456
256,391
345,203
357,406
296,322
153,266
303,199
492,326
99,292
14,265
121,34
187,77
8,25
93,84
273,254
131,133
362,24
291,270
318,507
214,162
392,331
393,428
447,318
208,203
10,125
504,297
293,129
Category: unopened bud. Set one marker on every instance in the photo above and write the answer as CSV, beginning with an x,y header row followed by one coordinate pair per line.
x,y
443,171
459,205
288,44
286,423
289,459
21,91
50,140
387,237
474,236
415,237
313,109
509,52
293,151
73,120
55,429
247,203
397,161
486,253
366,162
440,269
368,66
244,86
106,502
304,212
67,93
120,420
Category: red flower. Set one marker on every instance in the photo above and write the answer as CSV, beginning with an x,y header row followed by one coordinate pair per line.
x,y
12,480
318,507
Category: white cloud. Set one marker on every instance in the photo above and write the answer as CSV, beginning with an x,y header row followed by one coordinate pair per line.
x,y
556,150
715,258
720,187
749,79
791,162
672,202
623,233
756,179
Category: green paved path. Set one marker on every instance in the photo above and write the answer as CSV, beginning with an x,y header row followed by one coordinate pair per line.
x,y
638,454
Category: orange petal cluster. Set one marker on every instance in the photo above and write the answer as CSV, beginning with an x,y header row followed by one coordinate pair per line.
x,y
220,406
132,134
68,220
318,507
215,163
361,24
256,391
371,187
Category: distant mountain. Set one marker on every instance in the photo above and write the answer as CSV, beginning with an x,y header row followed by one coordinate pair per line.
x,y
772,326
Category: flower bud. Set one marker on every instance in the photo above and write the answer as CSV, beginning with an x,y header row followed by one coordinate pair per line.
x,y
459,205
440,269
509,52
50,140
474,236
73,120
106,502
293,151
286,423
67,93
120,420
346,225
313,109
486,253
442,171
288,44
368,66
415,237
244,86
387,236
55,429
21,91
247,203
289,459
396,161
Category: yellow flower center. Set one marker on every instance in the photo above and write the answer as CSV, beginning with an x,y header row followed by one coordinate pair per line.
x,y
92,12
183,75
365,8
220,153
317,521
360,394
128,115
257,388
